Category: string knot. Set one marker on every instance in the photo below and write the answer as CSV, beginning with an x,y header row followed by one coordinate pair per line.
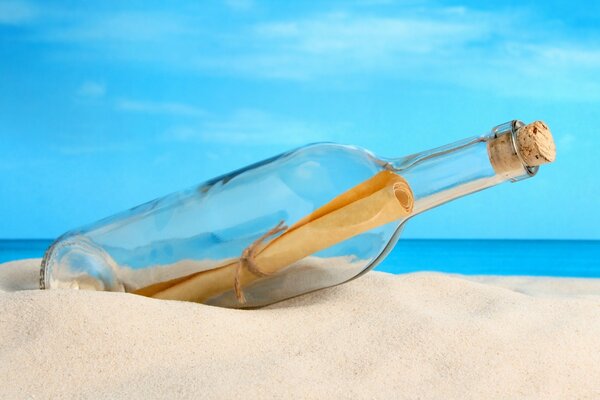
x,y
247,260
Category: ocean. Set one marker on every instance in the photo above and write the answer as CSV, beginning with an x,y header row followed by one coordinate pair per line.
x,y
574,258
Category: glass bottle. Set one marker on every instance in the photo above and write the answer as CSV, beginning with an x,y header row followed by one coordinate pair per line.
x,y
212,233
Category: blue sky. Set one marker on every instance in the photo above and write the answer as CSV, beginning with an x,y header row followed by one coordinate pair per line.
x,y
109,104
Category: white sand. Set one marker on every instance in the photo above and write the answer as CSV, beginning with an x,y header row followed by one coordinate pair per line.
x,y
382,336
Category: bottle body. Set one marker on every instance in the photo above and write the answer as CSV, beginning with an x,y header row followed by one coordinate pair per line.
x,y
198,229
305,220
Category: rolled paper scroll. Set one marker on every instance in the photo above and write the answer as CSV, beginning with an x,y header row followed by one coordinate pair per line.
x,y
384,198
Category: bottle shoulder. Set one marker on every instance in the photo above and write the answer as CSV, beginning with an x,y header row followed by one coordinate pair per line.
x,y
333,148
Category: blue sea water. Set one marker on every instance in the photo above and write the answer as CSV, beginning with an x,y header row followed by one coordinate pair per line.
x,y
17,249
576,258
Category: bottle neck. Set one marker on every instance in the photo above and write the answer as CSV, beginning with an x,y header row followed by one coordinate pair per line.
x,y
440,175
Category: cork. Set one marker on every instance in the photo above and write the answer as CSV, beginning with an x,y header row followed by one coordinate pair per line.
x,y
535,144
531,146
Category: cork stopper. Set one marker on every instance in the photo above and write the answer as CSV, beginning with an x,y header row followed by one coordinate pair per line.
x,y
535,144
530,146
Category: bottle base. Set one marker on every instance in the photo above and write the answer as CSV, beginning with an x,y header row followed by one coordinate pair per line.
x,y
77,263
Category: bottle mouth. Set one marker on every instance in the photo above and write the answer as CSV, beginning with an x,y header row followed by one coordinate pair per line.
x,y
503,150
530,170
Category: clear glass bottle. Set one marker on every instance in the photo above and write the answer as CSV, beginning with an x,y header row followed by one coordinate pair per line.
x,y
227,220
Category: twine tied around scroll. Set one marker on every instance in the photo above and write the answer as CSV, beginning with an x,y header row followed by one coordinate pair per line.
x,y
247,260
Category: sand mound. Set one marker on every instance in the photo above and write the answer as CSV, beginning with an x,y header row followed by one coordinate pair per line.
x,y
381,336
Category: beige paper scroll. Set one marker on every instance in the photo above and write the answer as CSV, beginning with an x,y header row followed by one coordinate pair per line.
x,y
384,198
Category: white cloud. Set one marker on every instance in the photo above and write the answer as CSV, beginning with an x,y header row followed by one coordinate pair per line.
x,y
91,149
368,37
15,12
92,89
458,46
508,52
250,127
239,5
563,72
126,27
343,43
152,107
374,2
565,142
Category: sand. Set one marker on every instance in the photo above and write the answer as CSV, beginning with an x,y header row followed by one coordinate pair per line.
x,y
424,335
